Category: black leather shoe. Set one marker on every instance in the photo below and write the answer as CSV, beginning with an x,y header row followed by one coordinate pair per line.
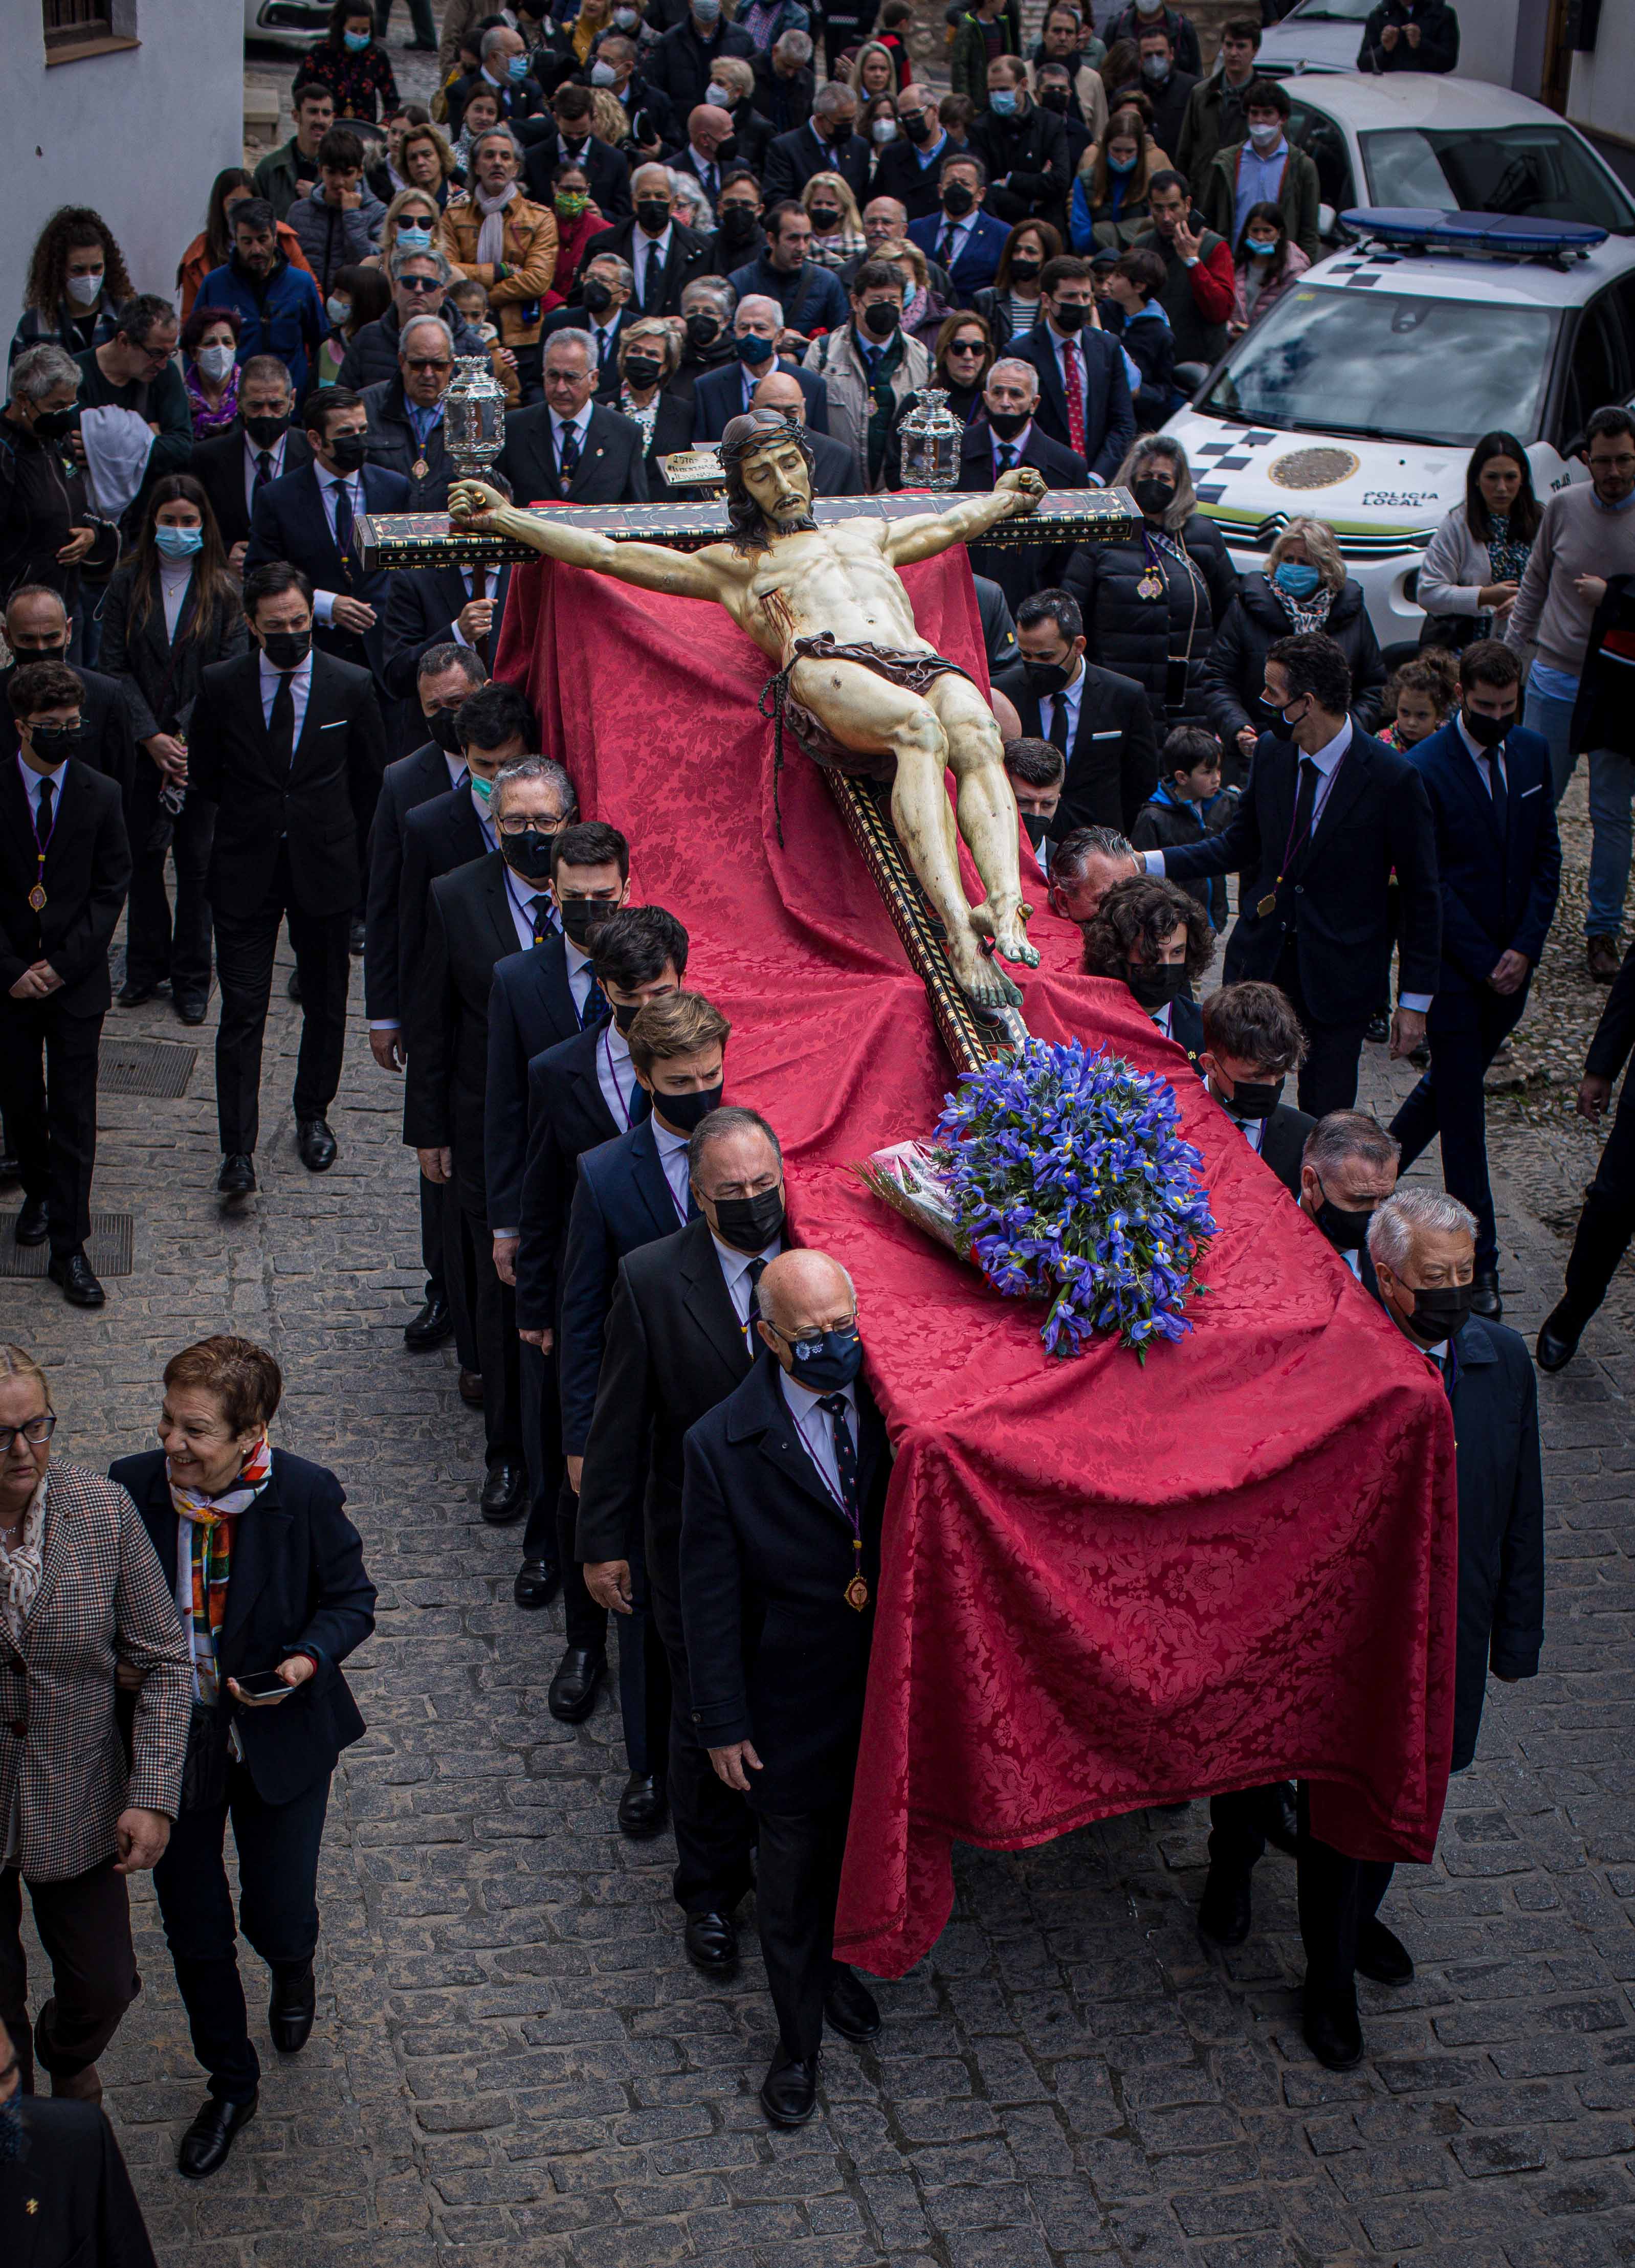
x,y
1382,1955
31,1223
431,1328
290,2008
536,1584
1225,1912
72,1271
789,2091
642,1809
504,1493
1484,1299
293,985
572,1694
1559,1338
191,1007
237,1177
205,2144
355,936
315,1144
1334,2034
849,2004
471,1389
1280,1822
134,995
711,1942
1379,1030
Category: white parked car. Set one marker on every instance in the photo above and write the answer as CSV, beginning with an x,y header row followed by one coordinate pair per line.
x,y
286,23
1359,398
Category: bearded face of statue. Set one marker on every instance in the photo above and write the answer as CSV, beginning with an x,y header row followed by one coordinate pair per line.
x,y
777,479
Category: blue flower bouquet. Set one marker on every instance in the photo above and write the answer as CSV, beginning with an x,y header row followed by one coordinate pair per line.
x,y
1061,1174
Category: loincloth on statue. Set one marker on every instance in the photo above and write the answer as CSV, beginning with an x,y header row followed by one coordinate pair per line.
x,y
916,673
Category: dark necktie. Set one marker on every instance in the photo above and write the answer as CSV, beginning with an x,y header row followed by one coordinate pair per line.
x,y
1058,722
595,1008
264,469
756,1270
845,1455
1007,455
42,814
1305,804
343,522
710,183
652,283
281,725
480,590
945,246
568,461
539,909
1501,797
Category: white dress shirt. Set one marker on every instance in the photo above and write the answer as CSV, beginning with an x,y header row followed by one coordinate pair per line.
x,y
300,688
323,601
581,425
518,893
615,1075
1160,1017
1017,443
251,464
30,780
581,975
1353,1261
459,772
672,1158
735,1267
643,251
816,1428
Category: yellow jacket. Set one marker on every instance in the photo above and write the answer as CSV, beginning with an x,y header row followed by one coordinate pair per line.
x,y
530,262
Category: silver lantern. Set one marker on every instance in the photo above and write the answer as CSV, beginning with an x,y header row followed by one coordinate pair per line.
x,y
474,418
931,436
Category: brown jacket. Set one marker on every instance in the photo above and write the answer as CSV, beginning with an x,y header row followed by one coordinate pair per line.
x,y
530,262
103,1599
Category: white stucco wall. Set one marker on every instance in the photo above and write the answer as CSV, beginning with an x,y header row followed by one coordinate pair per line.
x,y
1601,96
140,135
1487,40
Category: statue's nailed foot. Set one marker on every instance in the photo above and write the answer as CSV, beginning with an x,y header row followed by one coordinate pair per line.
x,y
1005,923
979,978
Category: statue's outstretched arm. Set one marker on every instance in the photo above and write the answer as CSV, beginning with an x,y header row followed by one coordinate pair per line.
x,y
923,537
472,505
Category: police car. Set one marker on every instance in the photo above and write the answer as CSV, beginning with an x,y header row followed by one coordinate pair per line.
x,y
1358,397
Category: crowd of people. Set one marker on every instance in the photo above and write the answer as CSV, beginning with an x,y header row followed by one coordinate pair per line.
x,y
649,220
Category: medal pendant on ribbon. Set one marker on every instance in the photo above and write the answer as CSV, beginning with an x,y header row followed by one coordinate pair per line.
x,y
1268,904
420,468
1150,585
36,898
857,1593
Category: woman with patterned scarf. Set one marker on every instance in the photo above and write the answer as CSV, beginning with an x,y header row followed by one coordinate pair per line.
x,y
268,1574
80,1590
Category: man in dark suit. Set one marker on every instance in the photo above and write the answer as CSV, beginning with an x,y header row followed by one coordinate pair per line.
x,y
786,82
446,674
427,607
289,746
1498,866
540,998
720,395
600,309
569,446
1084,388
64,870
568,141
680,63
583,1091
1024,148
475,915
232,468
1328,814
64,2192
663,254
1252,1041
829,143
1099,721
961,237
781,1505
1008,435
836,469
631,1192
677,1342
38,628
909,166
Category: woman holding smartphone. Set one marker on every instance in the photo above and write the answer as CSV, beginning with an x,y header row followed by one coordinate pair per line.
x,y
268,1579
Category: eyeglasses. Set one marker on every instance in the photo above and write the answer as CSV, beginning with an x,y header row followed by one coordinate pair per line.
x,y
517,823
33,1430
424,363
803,1349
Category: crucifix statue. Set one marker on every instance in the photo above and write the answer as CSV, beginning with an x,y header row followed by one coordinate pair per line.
x,y
858,685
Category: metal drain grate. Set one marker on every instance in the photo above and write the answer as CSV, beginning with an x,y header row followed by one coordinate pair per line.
x,y
146,1067
108,1248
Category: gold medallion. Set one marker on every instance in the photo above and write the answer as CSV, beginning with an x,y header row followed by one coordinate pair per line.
x,y
37,897
420,468
857,1594
1268,904
1150,585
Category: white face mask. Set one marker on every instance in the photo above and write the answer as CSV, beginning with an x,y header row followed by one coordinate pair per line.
x,y
603,74
1266,138
884,130
720,97
215,362
84,290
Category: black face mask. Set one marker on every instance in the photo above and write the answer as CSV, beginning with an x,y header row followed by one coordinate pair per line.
x,y
684,1111
528,854
287,649
347,449
653,214
1487,732
56,424
54,744
597,296
1255,1098
1442,1313
702,330
642,369
23,654
1044,678
1008,424
1055,99
824,218
625,1013
1153,497
738,224
266,432
1156,984
1346,1231
727,150
839,133
957,200
1071,318
918,129
881,319
441,726
751,1223
1023,271
1036,827
581,916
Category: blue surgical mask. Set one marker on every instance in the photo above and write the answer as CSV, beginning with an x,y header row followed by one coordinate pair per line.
x,y
179,542
517,67
356,42
413,240
1259,251
1003,102
752,349
1120,164
1298,578
826,1364
1155,68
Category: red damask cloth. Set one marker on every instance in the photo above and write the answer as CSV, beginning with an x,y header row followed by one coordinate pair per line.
x,y
1105,1585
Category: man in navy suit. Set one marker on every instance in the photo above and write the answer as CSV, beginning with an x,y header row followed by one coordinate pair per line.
x,y
1499,860
540,998
581,1093
1084,389
1008,434
783,1489
720,395
1328,814
433,607
630,1192
962,237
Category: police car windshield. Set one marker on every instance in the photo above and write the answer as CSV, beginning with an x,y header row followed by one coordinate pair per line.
x,y
1350,360
1334,11
1540,170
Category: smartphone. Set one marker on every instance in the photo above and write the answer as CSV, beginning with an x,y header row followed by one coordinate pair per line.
x,y
264,1685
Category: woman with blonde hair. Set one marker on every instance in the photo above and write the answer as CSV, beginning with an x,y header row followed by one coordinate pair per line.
x,y
81,1592
1110,201
412,215
426,161
873,71
1303,586
837,237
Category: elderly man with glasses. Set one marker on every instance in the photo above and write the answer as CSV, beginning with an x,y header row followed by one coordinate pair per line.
x,y
405,414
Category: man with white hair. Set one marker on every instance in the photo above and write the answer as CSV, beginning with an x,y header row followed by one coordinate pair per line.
x,y
503,73
1008,434
910,166
569,448
722,394
663,252
784,1486
500,239
405,413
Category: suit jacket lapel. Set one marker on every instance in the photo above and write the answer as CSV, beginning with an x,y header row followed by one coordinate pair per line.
x,y
649,1175
707,1301
589,455
781,1444
324,532
1349,783
591,1100
59,1542
257,1543
497,898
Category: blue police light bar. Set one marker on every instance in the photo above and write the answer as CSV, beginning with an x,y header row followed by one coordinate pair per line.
x,y
1422,228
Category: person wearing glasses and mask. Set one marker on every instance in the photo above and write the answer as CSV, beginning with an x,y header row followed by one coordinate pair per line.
x,y
784,1488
